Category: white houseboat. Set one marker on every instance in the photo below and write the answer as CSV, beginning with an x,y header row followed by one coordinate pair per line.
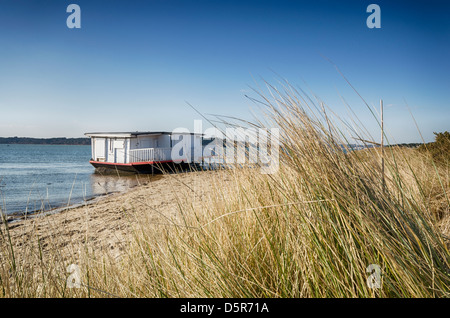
x,y
144,152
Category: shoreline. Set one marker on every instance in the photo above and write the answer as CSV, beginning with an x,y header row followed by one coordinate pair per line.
x,y
23,216
74,202
106,222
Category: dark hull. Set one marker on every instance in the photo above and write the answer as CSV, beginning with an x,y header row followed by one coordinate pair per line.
x,y
139,167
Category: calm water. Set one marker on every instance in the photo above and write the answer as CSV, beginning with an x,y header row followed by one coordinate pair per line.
x,y
36,177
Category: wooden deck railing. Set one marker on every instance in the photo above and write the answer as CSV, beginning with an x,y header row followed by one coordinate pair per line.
x,y
150,154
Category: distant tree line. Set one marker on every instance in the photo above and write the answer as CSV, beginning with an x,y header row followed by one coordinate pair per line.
x,y
45,141
440,148
410,145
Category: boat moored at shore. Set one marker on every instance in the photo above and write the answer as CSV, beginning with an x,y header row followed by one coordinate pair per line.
x,y
144,152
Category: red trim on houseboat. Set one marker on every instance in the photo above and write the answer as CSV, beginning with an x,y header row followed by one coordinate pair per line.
x,y
132,163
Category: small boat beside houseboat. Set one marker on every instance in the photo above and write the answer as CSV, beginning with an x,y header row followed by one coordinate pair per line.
x,y
144,152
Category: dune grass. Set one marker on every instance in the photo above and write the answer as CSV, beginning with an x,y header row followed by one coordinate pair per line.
x,y
309,230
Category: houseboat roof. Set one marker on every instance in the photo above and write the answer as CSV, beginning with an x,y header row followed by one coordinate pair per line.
x,y
134,134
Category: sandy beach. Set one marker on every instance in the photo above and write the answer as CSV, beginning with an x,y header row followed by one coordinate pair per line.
x,y
106,223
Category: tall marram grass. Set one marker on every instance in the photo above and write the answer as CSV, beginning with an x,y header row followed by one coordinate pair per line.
x,y
309,230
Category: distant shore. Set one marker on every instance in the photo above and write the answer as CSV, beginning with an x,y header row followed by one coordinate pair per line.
x,y
87,141
45,141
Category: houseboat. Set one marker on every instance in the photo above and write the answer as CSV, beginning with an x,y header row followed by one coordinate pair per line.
x,y
144,152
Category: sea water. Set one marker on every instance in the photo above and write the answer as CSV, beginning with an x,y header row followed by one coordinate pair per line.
x,y
44,177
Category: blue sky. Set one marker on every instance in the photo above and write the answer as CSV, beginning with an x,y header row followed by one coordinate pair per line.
x,y
134,65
